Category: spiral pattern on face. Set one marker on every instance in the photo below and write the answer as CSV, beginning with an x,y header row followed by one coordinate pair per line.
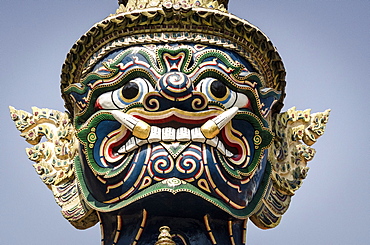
x,y
175,85
151,103
161,163
92,137
199,102
189,164
257,139
186,164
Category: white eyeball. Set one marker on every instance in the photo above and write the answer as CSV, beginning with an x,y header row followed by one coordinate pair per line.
x,y
216,90
130,92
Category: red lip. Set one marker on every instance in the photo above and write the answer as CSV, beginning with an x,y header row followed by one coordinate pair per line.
x,y
172,118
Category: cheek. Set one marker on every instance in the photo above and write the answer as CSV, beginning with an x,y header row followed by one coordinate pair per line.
x,y
243,102
97,105
105,102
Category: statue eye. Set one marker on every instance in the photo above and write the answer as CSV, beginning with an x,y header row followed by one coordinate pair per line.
x,y
132,91
218,89
215,90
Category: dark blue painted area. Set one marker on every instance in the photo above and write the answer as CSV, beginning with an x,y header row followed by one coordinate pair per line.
x,y
236,57
109,56
128,58
95,187
268,99
102,130
185,105
80,96
99,190
248,131
260,172
247,191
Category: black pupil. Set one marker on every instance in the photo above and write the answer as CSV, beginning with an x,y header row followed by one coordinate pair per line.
x,y
130,90
218,89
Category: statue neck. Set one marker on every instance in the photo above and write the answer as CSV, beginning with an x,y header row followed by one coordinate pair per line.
x,y
120,228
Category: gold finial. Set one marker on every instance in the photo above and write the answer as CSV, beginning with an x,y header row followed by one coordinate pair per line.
x,y
164,237
131,5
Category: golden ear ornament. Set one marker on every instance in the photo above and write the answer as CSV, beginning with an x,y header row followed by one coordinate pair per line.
x,y
54,159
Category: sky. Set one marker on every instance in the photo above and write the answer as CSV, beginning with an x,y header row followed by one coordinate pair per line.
x,y
325,48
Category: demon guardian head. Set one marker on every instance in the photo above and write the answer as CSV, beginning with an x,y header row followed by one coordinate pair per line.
x,y
173,121
179,118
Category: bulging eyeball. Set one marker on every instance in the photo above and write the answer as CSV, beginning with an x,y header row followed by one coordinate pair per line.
x,y
216,90
132,91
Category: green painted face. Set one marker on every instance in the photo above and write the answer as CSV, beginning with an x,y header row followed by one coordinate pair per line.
x,y
180,118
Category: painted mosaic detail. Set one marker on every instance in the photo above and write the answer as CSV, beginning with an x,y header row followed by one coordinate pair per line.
x,y
172,99
131,5
295,131
172,118
54,158
192,112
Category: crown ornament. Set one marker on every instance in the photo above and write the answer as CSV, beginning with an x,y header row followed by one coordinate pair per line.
x,y
172,21
132,5
173,121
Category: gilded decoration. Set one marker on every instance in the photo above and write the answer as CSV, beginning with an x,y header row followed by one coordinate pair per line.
x,y
54,159
173,133
132,5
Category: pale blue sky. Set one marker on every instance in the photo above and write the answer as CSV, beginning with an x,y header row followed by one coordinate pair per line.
x,y
325,46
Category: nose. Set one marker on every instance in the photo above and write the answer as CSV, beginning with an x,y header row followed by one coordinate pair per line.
x,y
175,86
175,90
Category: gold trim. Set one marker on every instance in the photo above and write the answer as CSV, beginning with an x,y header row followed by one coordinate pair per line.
x,y
142,226
165,237
230,229
238,32
141,130
210,129
209,230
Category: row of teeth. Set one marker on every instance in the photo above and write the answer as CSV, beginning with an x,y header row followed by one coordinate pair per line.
x,y
169,134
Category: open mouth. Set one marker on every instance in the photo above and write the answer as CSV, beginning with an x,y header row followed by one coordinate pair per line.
x,y
133,150
146,128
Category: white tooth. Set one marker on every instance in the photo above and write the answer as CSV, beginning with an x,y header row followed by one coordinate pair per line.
x,y
140,142
125,119
183,134
122,149
197,136
212,142
168,134
229,154
138,127
225,117
212,127
221,147
130,145
155,134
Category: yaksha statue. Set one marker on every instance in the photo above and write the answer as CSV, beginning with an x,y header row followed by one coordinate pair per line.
x,y
173,133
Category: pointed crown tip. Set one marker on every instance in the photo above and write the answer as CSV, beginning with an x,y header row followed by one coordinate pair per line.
x,y
131,5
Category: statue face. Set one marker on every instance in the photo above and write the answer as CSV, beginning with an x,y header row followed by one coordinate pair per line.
x,y
173,118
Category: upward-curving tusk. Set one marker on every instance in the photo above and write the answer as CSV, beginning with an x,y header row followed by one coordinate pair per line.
x,y
212,127
138,127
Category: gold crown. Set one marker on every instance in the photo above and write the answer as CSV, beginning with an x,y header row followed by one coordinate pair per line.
x,y
132,5
166,21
